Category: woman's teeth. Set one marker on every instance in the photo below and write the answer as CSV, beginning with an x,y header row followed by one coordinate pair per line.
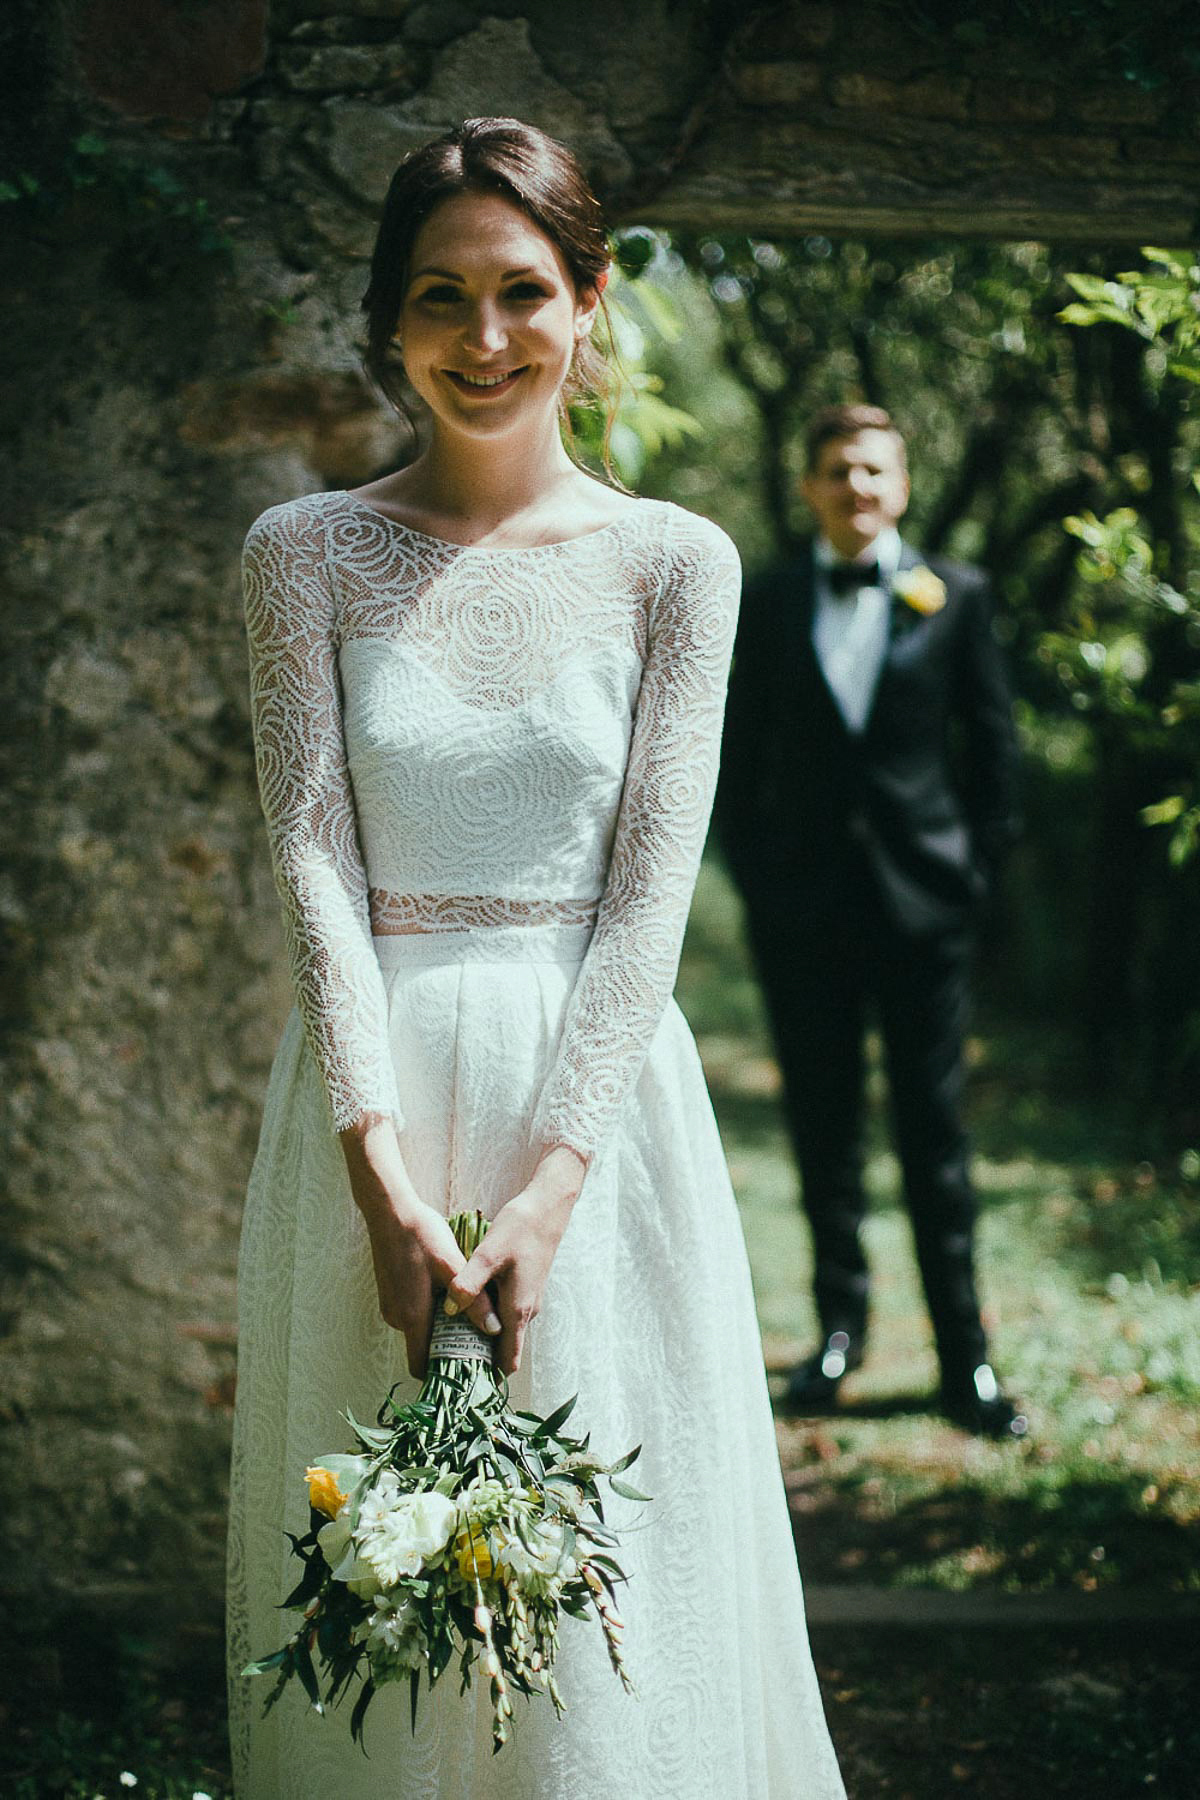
x,y
483,381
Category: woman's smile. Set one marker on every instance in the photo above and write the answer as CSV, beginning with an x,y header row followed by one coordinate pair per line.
x,y
485,384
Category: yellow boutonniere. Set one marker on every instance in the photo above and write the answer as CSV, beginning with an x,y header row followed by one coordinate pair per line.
x,y
921,589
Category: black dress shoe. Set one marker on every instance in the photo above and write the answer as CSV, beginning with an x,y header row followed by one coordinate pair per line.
x,y
813,1384
974,1401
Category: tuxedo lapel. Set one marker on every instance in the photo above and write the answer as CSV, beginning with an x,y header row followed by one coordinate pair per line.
x,y
902,616
901,620
802,654
798,604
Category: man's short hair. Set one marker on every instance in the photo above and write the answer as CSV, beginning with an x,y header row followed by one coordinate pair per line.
x,y
844,421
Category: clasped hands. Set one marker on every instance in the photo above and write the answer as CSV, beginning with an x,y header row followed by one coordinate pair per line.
x,y
416,1259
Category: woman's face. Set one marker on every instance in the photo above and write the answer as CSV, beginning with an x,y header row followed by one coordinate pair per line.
x,y
490,318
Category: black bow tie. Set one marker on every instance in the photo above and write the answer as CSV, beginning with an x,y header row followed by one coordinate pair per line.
x,y
847,578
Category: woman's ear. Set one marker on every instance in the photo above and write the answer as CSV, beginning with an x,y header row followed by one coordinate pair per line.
x,y
588,304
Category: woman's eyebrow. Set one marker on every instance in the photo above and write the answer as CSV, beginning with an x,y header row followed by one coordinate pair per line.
x,y
449,275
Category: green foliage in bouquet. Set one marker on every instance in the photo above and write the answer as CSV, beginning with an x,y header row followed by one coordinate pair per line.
x,y
460,1531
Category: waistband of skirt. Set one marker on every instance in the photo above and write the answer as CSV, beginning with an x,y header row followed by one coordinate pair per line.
x,y
484,944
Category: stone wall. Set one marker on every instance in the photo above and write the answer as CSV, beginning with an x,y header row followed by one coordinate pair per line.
x,y
180,292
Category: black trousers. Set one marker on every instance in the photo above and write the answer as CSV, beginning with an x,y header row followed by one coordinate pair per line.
x,y
820,979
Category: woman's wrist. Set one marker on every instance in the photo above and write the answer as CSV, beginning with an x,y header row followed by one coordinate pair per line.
x,y
559,1174
375,1165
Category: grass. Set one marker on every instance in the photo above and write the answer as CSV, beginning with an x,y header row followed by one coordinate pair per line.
x,y
1089,1255
100,1714
1086,1257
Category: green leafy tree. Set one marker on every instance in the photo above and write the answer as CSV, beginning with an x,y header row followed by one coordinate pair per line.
x,y
1014,419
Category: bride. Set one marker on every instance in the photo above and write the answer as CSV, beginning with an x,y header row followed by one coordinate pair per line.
x,y
487,695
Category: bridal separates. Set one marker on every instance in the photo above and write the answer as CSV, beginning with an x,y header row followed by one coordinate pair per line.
x,y
487,775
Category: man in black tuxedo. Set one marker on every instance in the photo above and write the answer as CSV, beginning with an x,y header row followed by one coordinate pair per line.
x,y
866,797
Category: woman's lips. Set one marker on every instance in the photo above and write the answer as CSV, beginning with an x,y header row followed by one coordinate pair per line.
x,y
483,384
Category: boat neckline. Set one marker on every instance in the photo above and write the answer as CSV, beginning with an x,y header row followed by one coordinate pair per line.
x,y
581,537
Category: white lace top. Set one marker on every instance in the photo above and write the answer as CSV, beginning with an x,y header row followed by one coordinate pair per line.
x,y
452,737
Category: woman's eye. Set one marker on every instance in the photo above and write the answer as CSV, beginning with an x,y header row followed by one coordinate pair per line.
x,y
527,290
440,294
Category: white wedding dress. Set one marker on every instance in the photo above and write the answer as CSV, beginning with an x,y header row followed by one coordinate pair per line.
x,y
487,776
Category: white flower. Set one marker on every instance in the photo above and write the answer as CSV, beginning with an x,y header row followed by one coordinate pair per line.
x,y
544,1566
338,1547
432,1517
395,1540
390,1553
393,1637
127,1779
378,1502
200,1795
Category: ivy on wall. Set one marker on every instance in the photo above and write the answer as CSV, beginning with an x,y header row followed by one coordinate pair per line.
x,y
165,226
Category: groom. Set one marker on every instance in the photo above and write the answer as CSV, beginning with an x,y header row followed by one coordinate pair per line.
x,y
867,795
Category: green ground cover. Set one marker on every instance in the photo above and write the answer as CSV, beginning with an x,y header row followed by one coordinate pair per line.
x,y
1089,1257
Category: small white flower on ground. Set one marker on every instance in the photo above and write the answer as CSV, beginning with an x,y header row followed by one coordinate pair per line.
x,y
127,1779
200,1795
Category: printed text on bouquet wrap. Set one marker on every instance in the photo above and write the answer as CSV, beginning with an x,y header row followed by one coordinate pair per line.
x,y
455,1335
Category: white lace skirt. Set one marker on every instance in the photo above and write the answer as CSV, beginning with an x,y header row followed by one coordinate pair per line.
x,y
648,1316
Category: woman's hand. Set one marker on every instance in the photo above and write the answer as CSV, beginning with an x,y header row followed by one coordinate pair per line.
x,y
412,1247
515,1256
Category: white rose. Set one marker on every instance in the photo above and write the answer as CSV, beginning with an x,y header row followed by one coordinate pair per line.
x,y
414,1529
432,1516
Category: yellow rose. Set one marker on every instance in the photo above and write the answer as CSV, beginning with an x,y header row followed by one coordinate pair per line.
x,y
324,1494
921,589
474,1557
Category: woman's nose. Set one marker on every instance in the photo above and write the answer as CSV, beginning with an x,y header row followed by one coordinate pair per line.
x,y
485,330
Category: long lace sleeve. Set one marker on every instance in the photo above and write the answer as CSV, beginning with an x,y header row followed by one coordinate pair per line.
x,y
629,972
309,807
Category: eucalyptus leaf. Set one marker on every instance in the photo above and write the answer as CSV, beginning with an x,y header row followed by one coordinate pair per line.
x,y
308,1675
265,1664
360,1712
559,1417
624,1462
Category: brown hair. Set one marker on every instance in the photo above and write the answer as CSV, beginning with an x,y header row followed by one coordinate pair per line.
x,y
534,172
845,421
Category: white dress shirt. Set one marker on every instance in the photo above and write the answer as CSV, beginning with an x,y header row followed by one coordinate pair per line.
x,y
850,631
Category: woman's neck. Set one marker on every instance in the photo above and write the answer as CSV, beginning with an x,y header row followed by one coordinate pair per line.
x,y
483,483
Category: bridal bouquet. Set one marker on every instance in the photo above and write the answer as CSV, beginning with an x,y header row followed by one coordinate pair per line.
x,y
460,1530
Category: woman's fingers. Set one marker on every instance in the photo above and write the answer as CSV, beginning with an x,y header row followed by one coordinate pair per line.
x,y
510,1343
467,1293
416,1345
